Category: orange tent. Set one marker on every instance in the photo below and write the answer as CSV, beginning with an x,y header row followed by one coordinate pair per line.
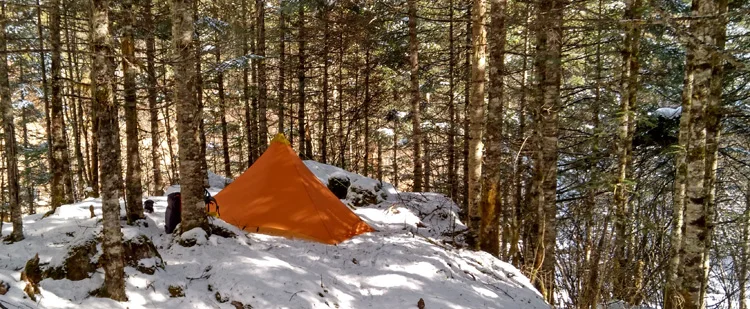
x,y
279,195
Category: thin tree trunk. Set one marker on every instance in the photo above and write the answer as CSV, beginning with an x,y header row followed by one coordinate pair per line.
x,y
246,88
9,133
744,251
622,279
260,6
416,138
452,179
324,133
45,85
133,187
102,74
713,114
282,65
301,83
223,115
491,204
673,273
366,107
189,117
152,85
76,119
340,90
254,142
61,191
476,119
544,184
467,96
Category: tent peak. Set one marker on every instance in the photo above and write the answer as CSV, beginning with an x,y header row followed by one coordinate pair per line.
x,y
280,138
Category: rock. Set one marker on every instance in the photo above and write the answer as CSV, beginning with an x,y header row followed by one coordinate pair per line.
x,y
239,305
221,231
221,298
4,287
175,291
32,274
339,185
361,196
140,249
77,264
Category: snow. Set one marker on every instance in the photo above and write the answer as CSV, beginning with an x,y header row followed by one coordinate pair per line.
x,y
408,258
386,131
217,181
668,112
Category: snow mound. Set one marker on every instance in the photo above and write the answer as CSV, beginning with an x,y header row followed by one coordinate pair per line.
x,y
410,256
668,112
325,171
217,181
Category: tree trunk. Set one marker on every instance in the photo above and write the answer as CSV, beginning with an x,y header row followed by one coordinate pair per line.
x,y
45,86
61,191
9,133
491,202
223,114
249,120
366,108
189,117
199,96
324,133
133,188
301,82
77,116
544,182
152,85
260,6
476,119
744,251
467,96
282,65
416,138
102,74
622,277
452,177
698,191
673,272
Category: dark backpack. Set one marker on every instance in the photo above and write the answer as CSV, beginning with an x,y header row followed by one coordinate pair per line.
x,y
148,206
173,216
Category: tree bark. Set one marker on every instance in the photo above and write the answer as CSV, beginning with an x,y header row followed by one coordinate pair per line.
x,y
199,95
547,105
324,133
744,251
249,121
152,105
260,6
9,134
301,83
45,86
102,74
622,268
223,114
416,138
491,202
189,117
452,177
476,119
133,187
282,66
62,184
467,96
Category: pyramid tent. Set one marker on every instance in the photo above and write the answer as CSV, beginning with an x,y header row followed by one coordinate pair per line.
x,y
279,195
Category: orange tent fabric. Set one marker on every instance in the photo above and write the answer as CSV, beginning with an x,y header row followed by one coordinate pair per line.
x,y
279,195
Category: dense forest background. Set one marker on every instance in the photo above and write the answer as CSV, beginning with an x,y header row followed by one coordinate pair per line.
x,y
600,146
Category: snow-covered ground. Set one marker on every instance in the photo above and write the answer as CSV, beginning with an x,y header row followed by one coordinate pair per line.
x,y
408,258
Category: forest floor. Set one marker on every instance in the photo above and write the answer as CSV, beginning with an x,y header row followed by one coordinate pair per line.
x,y
411,256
